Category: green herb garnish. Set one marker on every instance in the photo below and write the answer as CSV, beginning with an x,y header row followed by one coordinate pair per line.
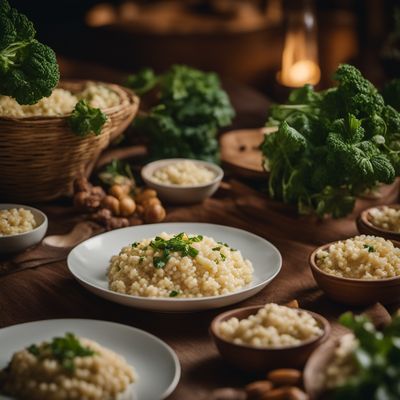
x,y
141,259
223,256
173,293
370,248
86,119
180,243
377,358
218,248
63,349
135,244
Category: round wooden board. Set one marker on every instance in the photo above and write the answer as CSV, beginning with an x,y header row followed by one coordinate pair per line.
x,y
240,151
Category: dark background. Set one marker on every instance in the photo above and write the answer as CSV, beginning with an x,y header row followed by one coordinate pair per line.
x,y
241,40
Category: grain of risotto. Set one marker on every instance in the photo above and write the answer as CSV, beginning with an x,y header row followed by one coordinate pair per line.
x,y
387,218
183,173
272,326
16,220
361,257
179,266
57,370
60,102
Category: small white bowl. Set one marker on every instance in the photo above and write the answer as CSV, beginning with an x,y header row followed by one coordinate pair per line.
x,y
182,194
21,241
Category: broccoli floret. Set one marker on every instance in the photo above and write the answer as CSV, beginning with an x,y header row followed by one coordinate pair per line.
x,y
86,119
358,95
28,68
392,120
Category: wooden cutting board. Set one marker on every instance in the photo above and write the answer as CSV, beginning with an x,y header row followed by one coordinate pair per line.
x,y
240,151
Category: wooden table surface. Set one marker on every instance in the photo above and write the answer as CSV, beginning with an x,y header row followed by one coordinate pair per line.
x,y
51,292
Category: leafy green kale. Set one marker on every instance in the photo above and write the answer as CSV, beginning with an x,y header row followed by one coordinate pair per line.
x,y
63,349
331,146
86,119
391,93
28,68
192,107
377,358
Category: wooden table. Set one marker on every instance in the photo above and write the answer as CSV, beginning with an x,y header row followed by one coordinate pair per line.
x,y
51,292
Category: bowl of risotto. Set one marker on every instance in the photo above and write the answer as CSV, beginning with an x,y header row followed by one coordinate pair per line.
x,y
259,338
361,270
183,181
380,221
20,227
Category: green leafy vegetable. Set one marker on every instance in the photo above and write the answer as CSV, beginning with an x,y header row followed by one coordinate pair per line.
x,y
370,248
86,119
117,172
331,146
173,293
377,358
63,349
180,243
28,68
192,107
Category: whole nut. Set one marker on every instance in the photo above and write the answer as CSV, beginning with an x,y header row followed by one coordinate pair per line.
x,y
127,206
145,195
154,213
297,394
151,201
285,377
112,203
119,191
256,389
81,184
80,199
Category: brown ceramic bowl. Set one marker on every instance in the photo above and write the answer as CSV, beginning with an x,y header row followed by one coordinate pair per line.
x,y
253,359
355,292
366,227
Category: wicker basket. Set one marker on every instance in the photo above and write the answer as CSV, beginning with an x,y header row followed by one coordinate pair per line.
x,y
40,156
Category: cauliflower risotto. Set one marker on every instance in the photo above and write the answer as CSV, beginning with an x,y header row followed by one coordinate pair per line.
x,y
60,102
70,368
361,257
16,220
387,218
182,173
179,266
272,326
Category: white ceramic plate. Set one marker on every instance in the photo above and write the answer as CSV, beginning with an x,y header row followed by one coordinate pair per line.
x,y
156,364
88,262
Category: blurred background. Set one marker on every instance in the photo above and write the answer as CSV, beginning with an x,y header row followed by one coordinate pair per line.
x,y
266,44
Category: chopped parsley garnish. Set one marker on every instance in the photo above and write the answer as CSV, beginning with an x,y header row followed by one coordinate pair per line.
x,y
370,248
223,244
135,244
173,293
63,349
223,256
218,248
180,243
141,258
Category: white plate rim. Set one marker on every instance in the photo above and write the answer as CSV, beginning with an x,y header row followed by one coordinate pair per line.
x,y
172,299
171,352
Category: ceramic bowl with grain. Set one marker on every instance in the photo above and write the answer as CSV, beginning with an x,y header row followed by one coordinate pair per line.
x,y
355,292
366,227
182,194
253,359
21,241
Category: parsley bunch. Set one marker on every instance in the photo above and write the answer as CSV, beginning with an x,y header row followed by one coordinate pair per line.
x,y
180,242
332,145
377,358
63,349
191,108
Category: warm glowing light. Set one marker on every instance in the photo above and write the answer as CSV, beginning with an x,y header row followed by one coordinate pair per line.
x,y
300,53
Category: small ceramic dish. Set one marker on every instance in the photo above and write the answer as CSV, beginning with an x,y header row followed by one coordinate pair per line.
x,y
252,359
366,227
21,241
355,292
182,194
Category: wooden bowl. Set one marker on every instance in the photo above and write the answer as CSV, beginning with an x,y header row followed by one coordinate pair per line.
x,y
355,292
253,359
365,226
315,366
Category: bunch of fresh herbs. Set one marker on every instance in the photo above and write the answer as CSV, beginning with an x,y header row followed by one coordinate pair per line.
x,y
332,145
377,357
191,107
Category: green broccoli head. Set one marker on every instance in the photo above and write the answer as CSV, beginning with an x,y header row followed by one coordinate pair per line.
x,y
28,68
358,95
